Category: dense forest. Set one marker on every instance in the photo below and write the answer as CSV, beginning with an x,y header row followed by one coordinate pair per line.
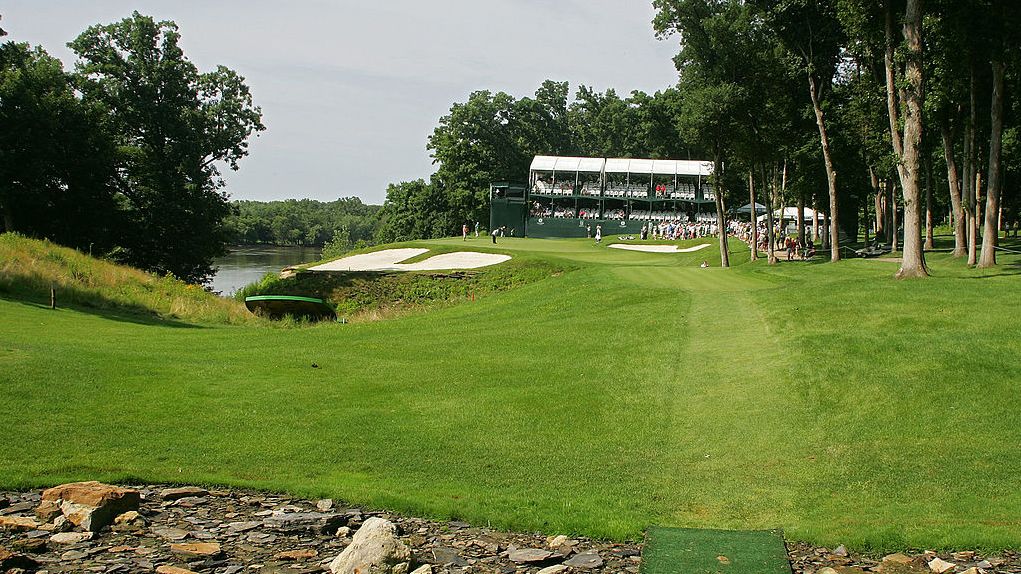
x,y
344,223
888,116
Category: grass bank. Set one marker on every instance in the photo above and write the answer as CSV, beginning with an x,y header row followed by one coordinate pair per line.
x,y
826,399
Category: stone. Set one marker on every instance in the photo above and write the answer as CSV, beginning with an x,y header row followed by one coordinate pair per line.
x,y
324,505
296,555
589,560
556,569
30,545
901,564
71,537
939,566
18,523
443,555
557,541
375,547
47,510
841,551
167,569
130,521
238,527
170,533
72,555
526,555
190,501
985,565
122,548
296,521
92,505
423,569
196,549
183,492
11,560
972,570
343,532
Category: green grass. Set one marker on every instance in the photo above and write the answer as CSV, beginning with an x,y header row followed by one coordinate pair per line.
x,y
701,551
825,399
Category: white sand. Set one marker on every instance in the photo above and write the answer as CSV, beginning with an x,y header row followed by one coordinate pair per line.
x,y
659,248
389,260
375,261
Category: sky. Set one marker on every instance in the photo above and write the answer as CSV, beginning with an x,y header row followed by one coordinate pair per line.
x,y
350,90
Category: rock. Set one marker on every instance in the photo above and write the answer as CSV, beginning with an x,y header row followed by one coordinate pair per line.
x,y
30,545
897,559
182,492
189,501
375,547
556,541
985,565
325,505
18,523
11,560
167,569
841,551
47,510
92,505
71,537
297,555
196,549
443,555
72,555
526,555
901,564
238,527
130,521
295,521
827,570
343,532
61,524
590,560
170,533
963,555
423,569
972,570
557,569
939,566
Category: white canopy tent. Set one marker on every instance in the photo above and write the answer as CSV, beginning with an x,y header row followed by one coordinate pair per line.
x,y
747,208
790,213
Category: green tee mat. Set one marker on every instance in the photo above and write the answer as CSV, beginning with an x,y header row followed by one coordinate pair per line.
x,y
697,551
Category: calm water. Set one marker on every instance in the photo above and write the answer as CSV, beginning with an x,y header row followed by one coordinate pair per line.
x,y
244,265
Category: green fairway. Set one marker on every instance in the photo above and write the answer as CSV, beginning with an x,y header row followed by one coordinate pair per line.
x,y
825,399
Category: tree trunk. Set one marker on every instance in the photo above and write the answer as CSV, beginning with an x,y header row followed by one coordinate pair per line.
x,y
928,203
971,172
721,224
990,233
877,194
907,147
8,214
801,219
894,244
752,217
954,181
770,232
831,173
815,221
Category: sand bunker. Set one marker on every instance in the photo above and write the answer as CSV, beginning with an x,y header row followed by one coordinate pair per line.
x,y
389,260
375,261
659,248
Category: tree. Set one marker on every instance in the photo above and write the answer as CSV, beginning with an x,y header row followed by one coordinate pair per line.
x,y
174,127
810,30
55,160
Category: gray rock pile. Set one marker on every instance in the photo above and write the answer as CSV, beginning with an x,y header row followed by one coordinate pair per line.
x,y
93,527
807,559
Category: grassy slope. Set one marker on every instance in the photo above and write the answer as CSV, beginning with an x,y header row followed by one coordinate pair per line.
x,y
826,399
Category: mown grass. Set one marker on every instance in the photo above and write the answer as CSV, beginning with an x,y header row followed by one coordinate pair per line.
x,y
826,399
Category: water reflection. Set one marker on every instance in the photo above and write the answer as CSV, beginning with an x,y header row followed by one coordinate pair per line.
x,y
244,265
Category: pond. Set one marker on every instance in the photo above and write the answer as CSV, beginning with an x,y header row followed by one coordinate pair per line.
x,y
247,264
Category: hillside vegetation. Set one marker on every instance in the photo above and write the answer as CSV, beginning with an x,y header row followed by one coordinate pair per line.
x,y
28,268
633,389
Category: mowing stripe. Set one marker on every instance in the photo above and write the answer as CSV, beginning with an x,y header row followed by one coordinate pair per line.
x,y
697,551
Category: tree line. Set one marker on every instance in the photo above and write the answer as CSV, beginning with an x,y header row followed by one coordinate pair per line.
x,y
122,155
886,115
344,223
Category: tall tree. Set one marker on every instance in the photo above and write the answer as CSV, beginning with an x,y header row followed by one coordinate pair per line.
x,y
812,33
175,128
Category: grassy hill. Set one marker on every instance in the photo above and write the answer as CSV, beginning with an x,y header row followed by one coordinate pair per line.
x,y
827,399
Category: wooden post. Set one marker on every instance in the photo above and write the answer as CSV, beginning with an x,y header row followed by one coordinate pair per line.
x,y
53,296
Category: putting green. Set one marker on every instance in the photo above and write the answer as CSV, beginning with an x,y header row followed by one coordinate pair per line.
x,y
697,551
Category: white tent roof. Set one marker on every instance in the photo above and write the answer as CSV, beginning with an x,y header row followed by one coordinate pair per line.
x,y
555,163
747,208
658,166
792,213
622,165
